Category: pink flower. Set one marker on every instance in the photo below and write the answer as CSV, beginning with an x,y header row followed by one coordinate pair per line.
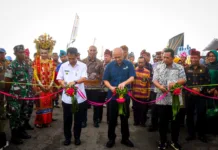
x,y
120,100
177,91
70,91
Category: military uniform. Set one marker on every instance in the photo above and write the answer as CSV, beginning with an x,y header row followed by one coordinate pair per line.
x,y
18,72
17,109
3,66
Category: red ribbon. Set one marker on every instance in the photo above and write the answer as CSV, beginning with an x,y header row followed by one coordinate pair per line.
x,y
108,100
197,93
91,102
32,98
153,101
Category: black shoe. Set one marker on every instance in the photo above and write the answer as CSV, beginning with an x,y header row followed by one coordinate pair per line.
x,y
84,124
162,146
190,138
15,139
54,119
203,139
175,146
143,125
152,129
127,143
24,135
99,120
77,142
96,124
136,124
67,142
27,126
110,143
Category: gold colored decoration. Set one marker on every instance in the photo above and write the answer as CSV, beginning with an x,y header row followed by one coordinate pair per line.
x,y
45,42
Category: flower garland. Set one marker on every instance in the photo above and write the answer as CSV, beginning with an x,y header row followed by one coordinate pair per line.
x,y
121,100
72,91
37,67
175,92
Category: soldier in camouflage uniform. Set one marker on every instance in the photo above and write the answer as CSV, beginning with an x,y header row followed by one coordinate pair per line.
x,y
3,65
16,78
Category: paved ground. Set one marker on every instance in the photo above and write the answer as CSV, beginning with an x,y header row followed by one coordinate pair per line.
x,y
96,138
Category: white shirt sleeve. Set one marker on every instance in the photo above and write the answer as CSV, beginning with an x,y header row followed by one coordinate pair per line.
x,y
84,72
60,75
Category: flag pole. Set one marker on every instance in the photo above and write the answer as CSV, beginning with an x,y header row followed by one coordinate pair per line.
x,y
94,41
102,51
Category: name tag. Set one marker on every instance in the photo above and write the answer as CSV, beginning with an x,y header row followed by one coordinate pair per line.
x,y
66,72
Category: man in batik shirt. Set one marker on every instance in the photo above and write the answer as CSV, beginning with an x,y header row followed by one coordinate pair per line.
x,y
166,75
17,79
197,75
93,84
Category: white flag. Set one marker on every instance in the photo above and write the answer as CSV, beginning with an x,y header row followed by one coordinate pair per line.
x,y
75,28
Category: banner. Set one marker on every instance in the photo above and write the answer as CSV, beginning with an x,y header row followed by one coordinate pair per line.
x,y
182,49
176,42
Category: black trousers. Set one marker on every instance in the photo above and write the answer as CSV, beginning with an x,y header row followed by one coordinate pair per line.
x,y
140,111
95,96
165,114
68,119
2,139
113,114
103,98
154,111
199,104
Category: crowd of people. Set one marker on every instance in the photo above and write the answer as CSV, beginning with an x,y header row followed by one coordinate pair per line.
x,y
39,82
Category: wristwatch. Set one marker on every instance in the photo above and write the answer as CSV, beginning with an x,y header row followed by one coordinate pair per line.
x,y
75,82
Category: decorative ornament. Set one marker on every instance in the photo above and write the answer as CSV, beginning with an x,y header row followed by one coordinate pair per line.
x,y
121,100
45,42
175,91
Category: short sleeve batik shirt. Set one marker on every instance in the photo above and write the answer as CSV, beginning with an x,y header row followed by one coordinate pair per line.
x,y
197,76
165,76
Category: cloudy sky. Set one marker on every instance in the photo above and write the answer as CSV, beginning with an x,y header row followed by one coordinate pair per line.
x,y
139,24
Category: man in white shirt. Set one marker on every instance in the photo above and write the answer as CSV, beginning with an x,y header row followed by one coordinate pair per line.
x,y
72,72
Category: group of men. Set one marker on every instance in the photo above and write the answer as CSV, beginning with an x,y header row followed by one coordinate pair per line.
x,y
98,81
147,82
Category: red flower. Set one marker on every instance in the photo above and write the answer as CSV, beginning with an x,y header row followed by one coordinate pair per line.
x,y
120,100
114,92
177,91
70,91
